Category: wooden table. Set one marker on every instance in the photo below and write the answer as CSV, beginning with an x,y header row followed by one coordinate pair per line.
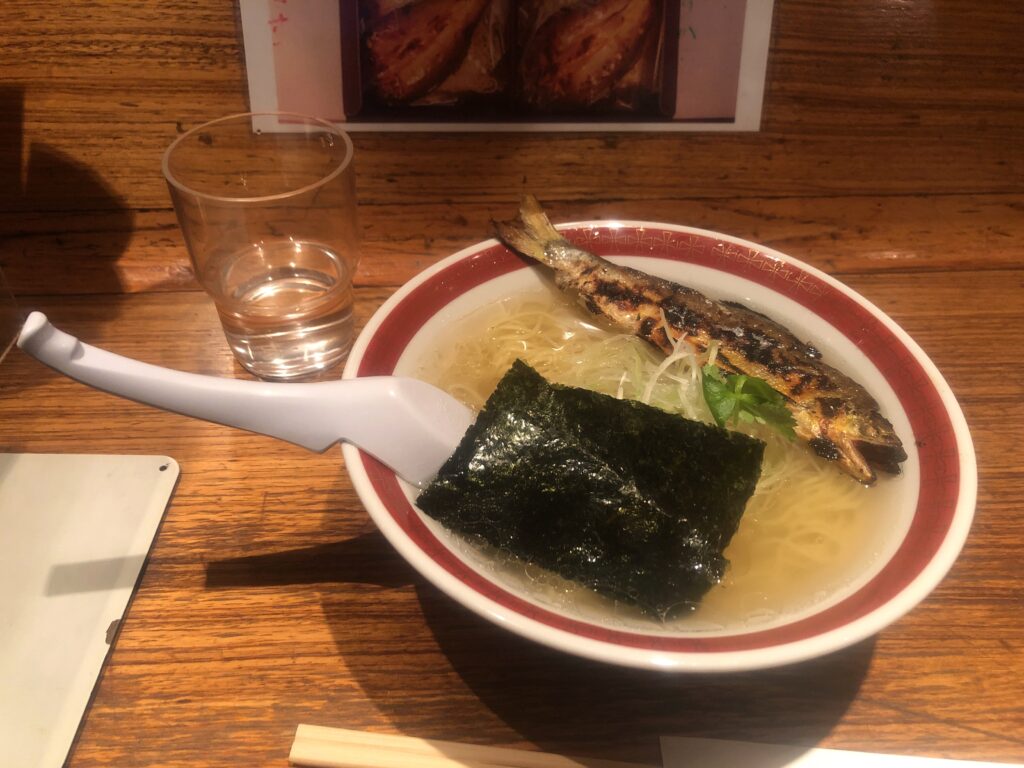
x,y
892,156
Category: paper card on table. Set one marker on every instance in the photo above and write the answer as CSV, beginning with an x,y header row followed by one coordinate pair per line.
x,y
456,65
683,752
76,532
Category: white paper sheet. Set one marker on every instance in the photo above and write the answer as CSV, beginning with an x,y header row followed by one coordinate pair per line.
x,y
74,533
683,752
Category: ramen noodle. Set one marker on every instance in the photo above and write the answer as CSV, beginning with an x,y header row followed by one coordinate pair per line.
x,y
806,530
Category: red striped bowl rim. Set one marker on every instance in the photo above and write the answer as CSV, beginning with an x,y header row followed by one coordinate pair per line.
x,y
943,494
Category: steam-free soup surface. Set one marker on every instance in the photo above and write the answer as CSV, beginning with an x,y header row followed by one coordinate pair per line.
x,y
807,531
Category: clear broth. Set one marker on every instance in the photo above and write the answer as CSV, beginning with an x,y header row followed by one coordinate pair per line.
x,y
808,532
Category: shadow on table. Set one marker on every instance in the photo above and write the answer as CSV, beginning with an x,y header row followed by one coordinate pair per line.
x,y
64,228
468,679
362,559
75,226
555,700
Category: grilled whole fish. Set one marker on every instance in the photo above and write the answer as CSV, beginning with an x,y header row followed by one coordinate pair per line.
x,y
833,413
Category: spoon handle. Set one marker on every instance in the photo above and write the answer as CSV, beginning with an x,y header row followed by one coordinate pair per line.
x,y
409,425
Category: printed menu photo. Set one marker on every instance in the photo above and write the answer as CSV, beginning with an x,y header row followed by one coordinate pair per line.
x,y
511,64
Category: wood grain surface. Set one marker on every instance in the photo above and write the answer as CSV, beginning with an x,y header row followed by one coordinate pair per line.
x,y
891,156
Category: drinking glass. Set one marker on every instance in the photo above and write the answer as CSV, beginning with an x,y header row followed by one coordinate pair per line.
x,y
269,219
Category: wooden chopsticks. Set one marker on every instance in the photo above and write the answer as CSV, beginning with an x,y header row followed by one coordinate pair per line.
x,y
320,747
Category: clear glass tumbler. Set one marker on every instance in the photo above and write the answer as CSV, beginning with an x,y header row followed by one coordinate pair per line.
x,y
269,219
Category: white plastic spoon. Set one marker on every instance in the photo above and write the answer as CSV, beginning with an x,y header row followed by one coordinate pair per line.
x,y
408,425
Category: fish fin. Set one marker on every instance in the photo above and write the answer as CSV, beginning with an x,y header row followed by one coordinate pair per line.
x,y
831,443
853,462
531,232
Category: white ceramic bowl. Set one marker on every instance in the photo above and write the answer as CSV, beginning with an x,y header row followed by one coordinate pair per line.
x,y
930,505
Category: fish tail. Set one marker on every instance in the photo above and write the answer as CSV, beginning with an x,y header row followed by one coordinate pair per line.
x,y
531,233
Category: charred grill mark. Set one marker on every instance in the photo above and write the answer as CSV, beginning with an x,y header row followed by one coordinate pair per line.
x,y
824,383
770,330
813,382
752,344
624,296
682,318
830,406
723,361
825,448
758,348
652,330
802,381
752,339
774,352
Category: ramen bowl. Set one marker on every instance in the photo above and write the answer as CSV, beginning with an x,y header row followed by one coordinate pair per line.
x,y
923,515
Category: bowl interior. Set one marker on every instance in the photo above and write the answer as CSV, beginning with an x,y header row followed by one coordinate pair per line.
x,y
921,524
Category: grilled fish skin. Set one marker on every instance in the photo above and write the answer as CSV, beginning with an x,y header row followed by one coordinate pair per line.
x,y
834,414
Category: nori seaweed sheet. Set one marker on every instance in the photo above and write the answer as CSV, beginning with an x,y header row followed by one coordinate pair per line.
x,y
633,502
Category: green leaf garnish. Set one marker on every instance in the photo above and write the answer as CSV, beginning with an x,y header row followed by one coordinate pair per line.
x,y
740,398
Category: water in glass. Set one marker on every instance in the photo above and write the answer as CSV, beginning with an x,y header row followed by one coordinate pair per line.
x,y
286,307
